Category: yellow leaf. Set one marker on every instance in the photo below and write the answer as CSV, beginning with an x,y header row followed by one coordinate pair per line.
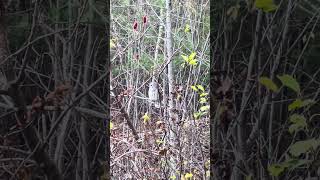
x,y
193,62
188,175
208,173
200,87
185,58
112,43
207,164
158,141
196,115
179,96
111,125
203,100
173,177
194,88
204,108
145,117
187,28
203,94
192,56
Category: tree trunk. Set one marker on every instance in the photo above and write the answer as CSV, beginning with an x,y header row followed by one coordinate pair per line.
x,y
172,138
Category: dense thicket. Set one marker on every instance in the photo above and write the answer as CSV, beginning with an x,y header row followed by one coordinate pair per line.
x,y
171,49
265,74
54,77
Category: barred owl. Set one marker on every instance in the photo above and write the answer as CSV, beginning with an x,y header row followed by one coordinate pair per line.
x,y
153,93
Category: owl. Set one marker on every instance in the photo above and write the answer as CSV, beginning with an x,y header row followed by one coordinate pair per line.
x,y
153,93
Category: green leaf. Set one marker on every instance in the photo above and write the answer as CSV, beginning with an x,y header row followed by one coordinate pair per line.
x,y
294,128
200,87
308,102
290,82
266,5
299,122
268,83
297,118
294,163
249,177
276,169
302,147
298,103
173,177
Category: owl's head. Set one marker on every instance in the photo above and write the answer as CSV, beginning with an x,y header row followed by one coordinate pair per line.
x,y
153,84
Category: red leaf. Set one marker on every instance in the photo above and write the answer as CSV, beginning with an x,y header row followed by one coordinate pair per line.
x,y
135,25
136,56
144,19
